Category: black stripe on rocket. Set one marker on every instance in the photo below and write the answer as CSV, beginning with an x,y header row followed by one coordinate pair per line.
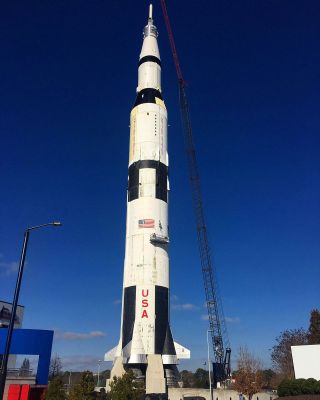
x,y
161,179
129,314
147,95
163,338
150,59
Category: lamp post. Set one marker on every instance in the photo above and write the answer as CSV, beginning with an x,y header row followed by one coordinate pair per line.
x,y
99,364
70,372
15,304
209,363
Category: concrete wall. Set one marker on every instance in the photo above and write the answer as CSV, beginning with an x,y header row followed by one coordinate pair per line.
x,y
218,394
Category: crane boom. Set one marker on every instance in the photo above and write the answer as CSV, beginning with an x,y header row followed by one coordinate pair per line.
x,y
172,42
215,312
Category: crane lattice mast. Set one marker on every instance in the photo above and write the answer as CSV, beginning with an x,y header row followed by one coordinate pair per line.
x,y
217,325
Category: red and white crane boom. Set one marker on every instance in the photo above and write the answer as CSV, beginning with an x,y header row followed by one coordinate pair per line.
x,y
217,326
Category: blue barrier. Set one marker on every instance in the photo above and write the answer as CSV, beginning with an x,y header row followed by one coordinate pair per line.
x,y
31,342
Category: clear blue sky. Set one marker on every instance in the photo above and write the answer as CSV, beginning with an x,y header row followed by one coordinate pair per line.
x,y
68,75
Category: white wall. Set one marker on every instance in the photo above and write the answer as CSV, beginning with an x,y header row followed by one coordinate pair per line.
x,y
182,393
306,361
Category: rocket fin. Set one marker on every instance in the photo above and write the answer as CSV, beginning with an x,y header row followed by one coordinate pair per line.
x,y
182,352
126,351
169,356
111,354
168,346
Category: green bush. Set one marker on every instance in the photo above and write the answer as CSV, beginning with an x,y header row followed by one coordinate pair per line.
x,y
317,387
309,386
284,388
298,386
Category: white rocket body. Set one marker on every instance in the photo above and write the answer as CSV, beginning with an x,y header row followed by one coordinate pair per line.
x,y
145,328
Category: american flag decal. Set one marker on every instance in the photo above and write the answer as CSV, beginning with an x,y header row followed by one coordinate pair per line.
x,y
146,223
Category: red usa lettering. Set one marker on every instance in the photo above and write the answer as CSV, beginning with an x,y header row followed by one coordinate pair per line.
x,y
145,303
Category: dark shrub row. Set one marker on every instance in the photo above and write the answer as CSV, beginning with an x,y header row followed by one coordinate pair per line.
x,y
298,386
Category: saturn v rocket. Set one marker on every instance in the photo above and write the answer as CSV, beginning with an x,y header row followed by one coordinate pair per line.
x,y
146,344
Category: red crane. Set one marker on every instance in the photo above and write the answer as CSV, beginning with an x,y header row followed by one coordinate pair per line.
x,y
219,335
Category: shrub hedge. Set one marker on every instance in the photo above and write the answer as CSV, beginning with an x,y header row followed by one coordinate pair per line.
x,y
298,386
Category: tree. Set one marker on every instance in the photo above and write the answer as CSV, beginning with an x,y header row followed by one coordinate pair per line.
x,y
314,327
102,395
249,377
56,390
25,368
187,378
201,378
84,390
268,376
126,388
281,352
55,368
276,380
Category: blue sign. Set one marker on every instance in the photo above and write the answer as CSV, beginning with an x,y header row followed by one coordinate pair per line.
x,y
31,342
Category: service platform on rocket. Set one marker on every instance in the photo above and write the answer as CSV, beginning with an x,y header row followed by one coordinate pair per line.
x,y
145,328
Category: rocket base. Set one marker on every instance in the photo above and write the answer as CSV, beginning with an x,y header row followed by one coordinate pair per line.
x,y
157,376
155,379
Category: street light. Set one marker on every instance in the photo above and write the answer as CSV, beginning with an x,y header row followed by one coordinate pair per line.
x,y
209,363
99,364
15,303
70,372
